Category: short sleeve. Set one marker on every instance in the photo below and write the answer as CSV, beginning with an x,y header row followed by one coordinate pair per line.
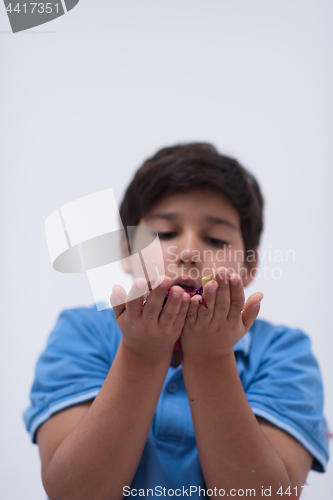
x,y
74,364
287,390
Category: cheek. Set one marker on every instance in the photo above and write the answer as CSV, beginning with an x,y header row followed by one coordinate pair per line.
x,y
169,252
233,258
170,259
220,258
231,255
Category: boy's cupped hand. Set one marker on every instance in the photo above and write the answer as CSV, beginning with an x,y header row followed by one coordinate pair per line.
x,y
150,330
213,332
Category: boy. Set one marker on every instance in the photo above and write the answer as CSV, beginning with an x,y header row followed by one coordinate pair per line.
x,y
116,412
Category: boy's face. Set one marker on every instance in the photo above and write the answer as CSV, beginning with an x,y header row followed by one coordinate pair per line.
x,y
198,230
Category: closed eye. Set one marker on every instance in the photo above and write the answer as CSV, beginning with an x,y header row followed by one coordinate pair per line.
x,y
166,236
216,242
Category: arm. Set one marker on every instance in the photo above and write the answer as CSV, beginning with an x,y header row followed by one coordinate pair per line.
x,y
231,443
100,455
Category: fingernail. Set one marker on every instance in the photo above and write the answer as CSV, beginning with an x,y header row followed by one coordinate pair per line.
x,y
212,289
185,297
141,284
114,300
258,303
234,280
164,284
176,294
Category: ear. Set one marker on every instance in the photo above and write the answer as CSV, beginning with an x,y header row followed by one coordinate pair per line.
x,y
124,253
251,265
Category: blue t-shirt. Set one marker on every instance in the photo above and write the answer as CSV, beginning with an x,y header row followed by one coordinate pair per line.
x,y
279,373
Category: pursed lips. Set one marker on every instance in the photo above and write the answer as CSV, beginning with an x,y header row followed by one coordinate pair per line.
x,y
188,285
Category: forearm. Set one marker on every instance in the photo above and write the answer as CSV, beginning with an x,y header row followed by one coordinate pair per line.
x,y
231,444
103,451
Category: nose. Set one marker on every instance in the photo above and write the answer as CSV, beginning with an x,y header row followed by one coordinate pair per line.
x,y
189,248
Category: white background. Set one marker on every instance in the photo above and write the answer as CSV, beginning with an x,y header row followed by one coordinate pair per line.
x,y
86,98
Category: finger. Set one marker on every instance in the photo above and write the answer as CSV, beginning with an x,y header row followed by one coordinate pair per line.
x,y
205,314
236,297
172,307
192,312
222,300
135,298
118,300
153,306
251,309
180,318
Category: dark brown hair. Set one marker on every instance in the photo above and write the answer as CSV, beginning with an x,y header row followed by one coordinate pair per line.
x,y
190,166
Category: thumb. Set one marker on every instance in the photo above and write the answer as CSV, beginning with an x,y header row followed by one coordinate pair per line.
x,y
251,309
118,300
